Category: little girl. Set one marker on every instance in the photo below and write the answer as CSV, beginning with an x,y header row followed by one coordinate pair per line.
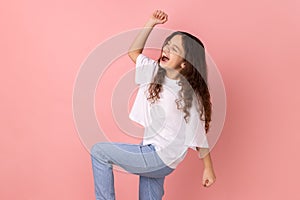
x,y
173,104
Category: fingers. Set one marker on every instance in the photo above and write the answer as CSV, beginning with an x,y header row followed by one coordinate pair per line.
x,y
165,18
207,182
160,15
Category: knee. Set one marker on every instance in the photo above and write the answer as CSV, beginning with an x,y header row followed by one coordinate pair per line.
x,y
97,149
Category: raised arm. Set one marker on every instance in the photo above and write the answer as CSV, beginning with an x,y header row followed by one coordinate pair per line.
x,y
158,17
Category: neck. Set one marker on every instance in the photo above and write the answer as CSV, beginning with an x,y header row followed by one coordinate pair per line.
x,y
172,74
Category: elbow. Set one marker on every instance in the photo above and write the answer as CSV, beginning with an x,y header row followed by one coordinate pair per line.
x,y
133,55
130,54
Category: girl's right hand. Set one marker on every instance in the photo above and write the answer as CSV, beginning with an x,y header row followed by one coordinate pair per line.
x,y
159,17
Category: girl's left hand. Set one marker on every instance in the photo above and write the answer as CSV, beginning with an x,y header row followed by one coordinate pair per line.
x,y
159,17
208,177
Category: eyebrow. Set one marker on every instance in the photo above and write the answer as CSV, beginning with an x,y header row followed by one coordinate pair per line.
x,y
177,47
174,46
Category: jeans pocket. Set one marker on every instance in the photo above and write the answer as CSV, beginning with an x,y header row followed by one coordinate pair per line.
x,y
142,153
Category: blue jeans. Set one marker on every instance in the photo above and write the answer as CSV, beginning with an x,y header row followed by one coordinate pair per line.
x,y
137,159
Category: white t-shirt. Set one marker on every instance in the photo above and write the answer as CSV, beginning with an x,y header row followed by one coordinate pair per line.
x,y
165,127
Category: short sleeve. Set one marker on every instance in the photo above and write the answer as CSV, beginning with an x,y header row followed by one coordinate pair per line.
x,y
145,69
195,133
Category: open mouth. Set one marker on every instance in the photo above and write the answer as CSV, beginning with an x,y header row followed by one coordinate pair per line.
x,y
164,58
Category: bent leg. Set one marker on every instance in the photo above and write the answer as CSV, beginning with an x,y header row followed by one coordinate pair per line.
x,y
103,179
151,188
136,159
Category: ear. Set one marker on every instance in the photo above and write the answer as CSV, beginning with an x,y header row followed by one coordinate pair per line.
x,y
183,64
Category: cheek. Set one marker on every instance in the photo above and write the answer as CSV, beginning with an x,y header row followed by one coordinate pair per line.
x,y
176,58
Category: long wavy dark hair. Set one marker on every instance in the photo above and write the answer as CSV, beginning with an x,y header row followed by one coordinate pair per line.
x,y
193,79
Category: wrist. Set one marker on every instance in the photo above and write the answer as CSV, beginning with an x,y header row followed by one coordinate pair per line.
x,y
150,23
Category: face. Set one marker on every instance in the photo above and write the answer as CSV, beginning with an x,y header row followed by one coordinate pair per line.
x,y
172,54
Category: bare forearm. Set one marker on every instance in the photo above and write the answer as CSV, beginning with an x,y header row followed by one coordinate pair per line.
x,y
158,17
207,161
205,155
140,40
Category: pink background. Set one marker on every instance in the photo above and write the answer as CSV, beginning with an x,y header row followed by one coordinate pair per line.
x,y
254,44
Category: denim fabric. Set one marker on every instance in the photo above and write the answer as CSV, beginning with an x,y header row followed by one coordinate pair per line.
x,y
137,159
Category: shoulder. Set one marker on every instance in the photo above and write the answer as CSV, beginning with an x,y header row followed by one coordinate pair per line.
x,y
146,68
145,60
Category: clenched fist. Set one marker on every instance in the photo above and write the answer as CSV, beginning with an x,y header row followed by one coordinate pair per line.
x,y
159,17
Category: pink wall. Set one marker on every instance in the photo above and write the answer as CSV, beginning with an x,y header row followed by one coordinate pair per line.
x,y
253,43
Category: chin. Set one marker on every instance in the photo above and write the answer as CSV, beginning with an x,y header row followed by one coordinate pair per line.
x,y
164,65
